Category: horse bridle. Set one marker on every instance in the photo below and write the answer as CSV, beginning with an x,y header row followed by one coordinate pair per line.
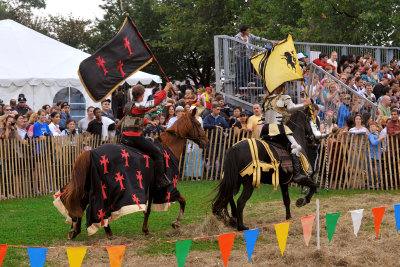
x,y
194,139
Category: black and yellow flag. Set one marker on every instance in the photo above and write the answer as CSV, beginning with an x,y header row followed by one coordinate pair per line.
x,y
278,65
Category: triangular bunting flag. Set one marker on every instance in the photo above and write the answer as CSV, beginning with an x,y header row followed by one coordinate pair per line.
x,y
251,238
37,256
331,221
76,255
396,216
282,231
182,250
225,246
3,250
356,215
307,223
378,214
115,254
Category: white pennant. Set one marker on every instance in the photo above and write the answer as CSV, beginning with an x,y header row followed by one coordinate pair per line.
x,y
357,215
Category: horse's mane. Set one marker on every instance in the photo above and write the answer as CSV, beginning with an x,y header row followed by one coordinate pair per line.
x,y
179,129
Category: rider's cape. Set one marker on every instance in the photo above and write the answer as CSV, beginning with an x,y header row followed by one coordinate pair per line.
x,y
116,185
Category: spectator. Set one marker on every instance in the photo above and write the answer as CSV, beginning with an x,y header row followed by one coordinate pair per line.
x,y
254,123
22,108
379,89
393,102
236,116
190,97
32,120
303,60
95,126
70,130
13,104
394,84
347,69
7,112
186,108
367,75
384,71
321,61
375,153
8,131
65,109
359,86
200,106
40,128
106,109
169,112
344,60
83,123
368,92
240,126
47,108
153,129
393,126
162,120
214,120
54,127
224,112
384,106
178,113
344,111
20,124
333,59
374,74
358,127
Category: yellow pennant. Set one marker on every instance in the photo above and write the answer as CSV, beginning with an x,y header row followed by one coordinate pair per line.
x,y
76,255
282,231
278,65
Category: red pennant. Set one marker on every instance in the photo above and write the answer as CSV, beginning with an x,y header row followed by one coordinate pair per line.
x,y
225,246
378,214
3,250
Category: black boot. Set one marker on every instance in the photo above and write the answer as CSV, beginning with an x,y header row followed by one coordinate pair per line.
x,y
299,177
162,181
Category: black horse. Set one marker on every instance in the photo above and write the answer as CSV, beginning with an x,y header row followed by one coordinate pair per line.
x,y
238,158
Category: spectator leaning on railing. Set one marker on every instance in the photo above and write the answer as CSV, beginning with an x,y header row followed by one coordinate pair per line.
x,y
393,126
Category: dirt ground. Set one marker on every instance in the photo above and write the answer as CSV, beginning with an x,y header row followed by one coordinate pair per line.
x,y
345,249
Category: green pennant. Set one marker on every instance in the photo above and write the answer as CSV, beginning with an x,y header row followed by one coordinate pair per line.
x,y
182,250
331,221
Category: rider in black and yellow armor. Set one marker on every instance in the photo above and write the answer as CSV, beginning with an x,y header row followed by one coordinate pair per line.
x,y
133,125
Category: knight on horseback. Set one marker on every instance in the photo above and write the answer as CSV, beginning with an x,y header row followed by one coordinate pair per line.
x,y
277,107
134,123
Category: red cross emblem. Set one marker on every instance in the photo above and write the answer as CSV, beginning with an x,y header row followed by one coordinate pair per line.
x,y
166,156
136,200
175,180
168,197
103,186
104,162
100,63
147,160
101,216
140,178
119,178
127,45
119,67
125,155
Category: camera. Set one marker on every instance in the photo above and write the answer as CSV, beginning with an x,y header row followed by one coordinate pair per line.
x,y
46,134
12,123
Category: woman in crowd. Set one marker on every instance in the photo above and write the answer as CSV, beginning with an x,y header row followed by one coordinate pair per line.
x,y
55,120
33,118
374,75
9,131
358,127
169,112
367,75
240,126
70,130
20,124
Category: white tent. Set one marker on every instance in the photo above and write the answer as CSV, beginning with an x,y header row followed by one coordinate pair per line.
x,y
44,69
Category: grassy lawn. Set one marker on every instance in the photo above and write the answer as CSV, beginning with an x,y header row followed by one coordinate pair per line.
x,y
36,222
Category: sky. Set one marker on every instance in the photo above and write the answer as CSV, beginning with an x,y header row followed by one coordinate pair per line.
x,y
87,9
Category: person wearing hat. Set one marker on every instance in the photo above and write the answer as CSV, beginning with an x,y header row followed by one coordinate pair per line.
x,y
303,60
133,124
178,113
22,108
207,97
106,109
64,114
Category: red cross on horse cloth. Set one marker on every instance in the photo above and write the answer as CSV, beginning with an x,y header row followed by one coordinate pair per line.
x,y
175,180
168,197
101,216
125,155
119,67
140,178
103,186
127,45
100,63
166,156
104,162
147,160
136,200
119,178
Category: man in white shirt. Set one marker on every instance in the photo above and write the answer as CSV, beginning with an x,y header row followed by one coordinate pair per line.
x,y
83,123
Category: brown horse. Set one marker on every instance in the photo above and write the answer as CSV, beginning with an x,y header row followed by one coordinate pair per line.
x,y
74,198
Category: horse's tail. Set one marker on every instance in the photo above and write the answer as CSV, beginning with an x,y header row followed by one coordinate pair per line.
x,y
74,191
228,186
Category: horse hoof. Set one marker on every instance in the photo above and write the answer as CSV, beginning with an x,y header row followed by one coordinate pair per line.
x,y
72,235
111,237
243,228
301,202
175,225
147,233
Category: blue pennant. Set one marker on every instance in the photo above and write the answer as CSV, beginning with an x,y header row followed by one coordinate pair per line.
x,y
251,239
37,256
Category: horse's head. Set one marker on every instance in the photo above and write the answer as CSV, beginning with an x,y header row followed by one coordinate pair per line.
x,y
300,125
189,127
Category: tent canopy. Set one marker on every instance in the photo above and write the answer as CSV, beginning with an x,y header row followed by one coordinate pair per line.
x,y
29,57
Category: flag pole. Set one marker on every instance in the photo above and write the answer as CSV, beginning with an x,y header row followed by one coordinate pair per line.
x,y
151,53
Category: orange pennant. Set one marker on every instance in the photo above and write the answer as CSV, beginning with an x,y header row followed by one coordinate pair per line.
x,y
307,223
115,254
378,214
3,250
225,246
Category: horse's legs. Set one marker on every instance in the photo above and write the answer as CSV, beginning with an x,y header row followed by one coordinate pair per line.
x,y
233,220
182,203
75,228
313,187
246,194
108,231
145,226
286,199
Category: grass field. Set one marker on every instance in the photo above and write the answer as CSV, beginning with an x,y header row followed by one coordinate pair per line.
x,y
35,222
